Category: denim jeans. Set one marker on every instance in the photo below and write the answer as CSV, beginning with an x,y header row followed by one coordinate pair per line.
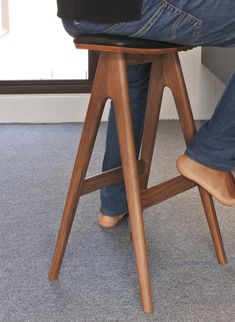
x,y
190,22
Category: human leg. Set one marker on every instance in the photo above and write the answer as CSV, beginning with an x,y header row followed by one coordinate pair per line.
x,y
217,135
210,157
193,23
196,22
220,184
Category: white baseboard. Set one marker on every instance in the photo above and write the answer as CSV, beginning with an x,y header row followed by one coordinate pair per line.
x,y
66,108
57,108
44,108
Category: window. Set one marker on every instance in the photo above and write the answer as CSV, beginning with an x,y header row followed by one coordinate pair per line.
x,y
4,17
37,55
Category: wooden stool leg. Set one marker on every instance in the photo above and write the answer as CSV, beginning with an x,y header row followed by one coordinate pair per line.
x,y
175,80
155,92
87,141
154,101
118,87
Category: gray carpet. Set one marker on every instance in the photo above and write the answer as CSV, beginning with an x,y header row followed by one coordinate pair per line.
x,y
98,278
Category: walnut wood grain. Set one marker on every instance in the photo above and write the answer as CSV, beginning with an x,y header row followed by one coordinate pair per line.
x,y
107,178
165,190
129,50
118,89
89,132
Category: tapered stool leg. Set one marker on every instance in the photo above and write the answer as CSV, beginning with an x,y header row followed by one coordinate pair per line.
x,y
155,93
175,80
120,97
89,132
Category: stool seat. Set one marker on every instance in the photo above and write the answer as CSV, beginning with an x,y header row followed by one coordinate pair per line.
x,y
122,41
116,43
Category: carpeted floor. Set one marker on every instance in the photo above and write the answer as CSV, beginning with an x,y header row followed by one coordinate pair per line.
x,y
98,278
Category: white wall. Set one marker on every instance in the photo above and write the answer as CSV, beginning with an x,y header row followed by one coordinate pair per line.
x,y
203,87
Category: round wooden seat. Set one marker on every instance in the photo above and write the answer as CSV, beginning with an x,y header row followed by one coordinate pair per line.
x,y
123,44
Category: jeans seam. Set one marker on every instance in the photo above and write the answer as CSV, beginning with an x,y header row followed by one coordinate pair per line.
x,y
174,27
112,28
188,17
151,21
198,29
109,213
182,15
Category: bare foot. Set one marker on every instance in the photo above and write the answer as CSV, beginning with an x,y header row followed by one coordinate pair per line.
x,y
110,222
219,184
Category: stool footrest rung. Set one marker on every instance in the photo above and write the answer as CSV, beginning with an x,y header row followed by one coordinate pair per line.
x,y
165,190
107,178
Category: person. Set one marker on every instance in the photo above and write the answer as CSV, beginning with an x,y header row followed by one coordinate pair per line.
x,y
210,157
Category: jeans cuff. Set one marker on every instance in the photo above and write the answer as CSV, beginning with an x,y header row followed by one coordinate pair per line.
x,y
208,163
112,213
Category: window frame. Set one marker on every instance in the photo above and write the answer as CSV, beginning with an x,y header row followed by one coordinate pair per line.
x,y
4,12
53,86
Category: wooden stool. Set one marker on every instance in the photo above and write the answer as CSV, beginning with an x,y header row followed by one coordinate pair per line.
x,y
116,53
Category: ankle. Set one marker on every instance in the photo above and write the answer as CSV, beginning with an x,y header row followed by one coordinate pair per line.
x,y
106,221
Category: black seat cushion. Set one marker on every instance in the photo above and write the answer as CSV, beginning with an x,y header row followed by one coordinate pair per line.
x,y
121,41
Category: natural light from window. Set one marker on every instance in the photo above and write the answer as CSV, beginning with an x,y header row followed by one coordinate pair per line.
x,y
37,47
